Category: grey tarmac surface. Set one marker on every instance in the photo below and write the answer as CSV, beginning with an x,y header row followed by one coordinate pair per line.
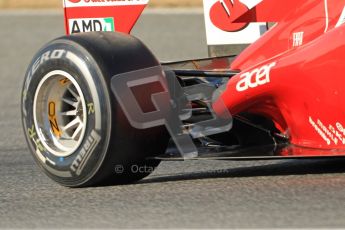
x,y
199,194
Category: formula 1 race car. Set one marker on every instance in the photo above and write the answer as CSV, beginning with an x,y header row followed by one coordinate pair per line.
x,y
98,107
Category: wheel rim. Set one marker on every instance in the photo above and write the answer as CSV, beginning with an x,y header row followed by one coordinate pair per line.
x,y
60,113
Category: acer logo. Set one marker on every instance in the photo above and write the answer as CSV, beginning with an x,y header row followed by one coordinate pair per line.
x,y
255,78
223,13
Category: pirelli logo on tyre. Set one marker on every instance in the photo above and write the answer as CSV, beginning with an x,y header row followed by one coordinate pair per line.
x,y
83,25
85,153
82,3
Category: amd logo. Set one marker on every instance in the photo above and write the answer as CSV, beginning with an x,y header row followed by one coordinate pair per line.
x,y
255,78
91,24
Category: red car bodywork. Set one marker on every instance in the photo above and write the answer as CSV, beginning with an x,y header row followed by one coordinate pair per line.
x,y
298,84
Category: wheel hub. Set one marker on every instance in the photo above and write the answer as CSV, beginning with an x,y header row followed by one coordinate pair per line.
x,y
60,113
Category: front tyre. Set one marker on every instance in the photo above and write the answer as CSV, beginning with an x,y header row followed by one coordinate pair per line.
x,y
74,127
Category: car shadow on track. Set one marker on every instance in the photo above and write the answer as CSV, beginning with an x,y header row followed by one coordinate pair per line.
x,y
285,168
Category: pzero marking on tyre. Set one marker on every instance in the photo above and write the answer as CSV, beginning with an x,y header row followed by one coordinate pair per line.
x,y
55,54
